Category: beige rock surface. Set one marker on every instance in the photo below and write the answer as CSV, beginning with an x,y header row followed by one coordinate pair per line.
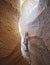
x,y
9,35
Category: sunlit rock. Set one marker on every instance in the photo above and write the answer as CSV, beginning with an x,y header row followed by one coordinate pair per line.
x,y
37,24
9,35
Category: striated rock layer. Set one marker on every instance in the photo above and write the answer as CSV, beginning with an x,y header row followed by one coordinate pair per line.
x,y
37,24
9,35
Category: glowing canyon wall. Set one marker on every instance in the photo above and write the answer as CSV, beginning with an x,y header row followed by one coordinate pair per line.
x,y
9,35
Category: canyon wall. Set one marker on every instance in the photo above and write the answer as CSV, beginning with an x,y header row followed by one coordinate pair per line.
x,y
9,35
37,24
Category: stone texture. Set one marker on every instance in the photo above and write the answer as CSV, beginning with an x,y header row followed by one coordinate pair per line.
x,y
9,35
14,3
37,24
39,53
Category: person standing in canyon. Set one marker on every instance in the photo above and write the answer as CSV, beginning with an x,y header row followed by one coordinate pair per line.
x,y
26,38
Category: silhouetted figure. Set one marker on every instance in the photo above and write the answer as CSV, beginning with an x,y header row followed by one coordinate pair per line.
x,y
26,37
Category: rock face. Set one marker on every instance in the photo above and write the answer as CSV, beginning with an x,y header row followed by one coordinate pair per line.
x,y
9,35
37,24
15,4
39,53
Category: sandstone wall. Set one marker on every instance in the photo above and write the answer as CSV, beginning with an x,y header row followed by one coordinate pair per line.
x,y
9,35
41,26
14,3
37,24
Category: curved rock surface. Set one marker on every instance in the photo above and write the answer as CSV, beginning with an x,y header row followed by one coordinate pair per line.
x,y
9,35
37,24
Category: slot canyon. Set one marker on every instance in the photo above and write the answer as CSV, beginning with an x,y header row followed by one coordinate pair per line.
x,y
18,17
